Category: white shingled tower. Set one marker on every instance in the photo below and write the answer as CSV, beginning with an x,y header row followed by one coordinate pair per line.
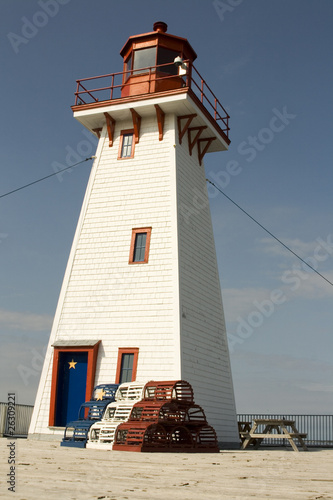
x,y
141,297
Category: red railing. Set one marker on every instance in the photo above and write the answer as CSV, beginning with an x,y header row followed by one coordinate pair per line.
x,y
111,85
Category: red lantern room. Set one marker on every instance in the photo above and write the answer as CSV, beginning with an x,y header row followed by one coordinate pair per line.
x,y
155,62
158,76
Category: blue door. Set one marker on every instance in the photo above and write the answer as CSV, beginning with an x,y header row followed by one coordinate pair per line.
x,y
71,387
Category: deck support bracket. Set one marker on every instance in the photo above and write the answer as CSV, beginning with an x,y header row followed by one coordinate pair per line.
x,y
160,115
110,124
136,124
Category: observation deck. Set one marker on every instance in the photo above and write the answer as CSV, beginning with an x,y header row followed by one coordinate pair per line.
x,y
158,76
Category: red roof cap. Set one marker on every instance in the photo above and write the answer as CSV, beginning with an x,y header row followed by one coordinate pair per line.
x,y
160,26
159,36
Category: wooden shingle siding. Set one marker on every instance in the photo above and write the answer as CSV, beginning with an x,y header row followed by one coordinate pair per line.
x,y
205,357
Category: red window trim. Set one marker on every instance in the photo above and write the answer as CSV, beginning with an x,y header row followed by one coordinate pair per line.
x,y
127,350
122,132
91,369
134,233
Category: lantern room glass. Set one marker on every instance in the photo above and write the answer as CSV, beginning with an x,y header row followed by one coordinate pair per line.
x,y
144,58
167,56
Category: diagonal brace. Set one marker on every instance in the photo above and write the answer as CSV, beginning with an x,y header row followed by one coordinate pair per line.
x,y
202,152
182,131
192,142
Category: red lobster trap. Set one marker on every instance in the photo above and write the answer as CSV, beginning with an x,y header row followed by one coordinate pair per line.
x,y
166,420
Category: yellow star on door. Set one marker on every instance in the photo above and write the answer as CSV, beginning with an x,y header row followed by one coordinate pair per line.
x,y
99,394
72,364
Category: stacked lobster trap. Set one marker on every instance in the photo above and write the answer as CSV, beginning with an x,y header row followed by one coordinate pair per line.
x,y
76,432
101,433
166,420
152,416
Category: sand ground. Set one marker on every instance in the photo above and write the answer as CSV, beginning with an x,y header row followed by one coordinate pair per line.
x,y
44,470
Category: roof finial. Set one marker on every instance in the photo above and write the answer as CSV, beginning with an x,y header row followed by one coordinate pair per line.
x,y
160,27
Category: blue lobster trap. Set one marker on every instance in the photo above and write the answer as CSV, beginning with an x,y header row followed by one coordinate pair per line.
x,y
76,432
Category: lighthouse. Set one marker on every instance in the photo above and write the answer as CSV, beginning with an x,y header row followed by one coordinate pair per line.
x,y
141,297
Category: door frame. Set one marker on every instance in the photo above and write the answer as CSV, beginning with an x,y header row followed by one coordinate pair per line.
x,y
92,352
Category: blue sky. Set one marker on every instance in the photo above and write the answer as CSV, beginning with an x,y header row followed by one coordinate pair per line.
x,y
270,64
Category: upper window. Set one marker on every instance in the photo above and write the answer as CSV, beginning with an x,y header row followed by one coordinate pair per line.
x,y
140,243
126,145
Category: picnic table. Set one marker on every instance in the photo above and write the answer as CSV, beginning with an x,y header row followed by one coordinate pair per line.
x,y
244,427
273,429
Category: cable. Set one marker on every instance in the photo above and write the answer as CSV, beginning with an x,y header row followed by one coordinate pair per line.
x,y
208,180
267,231
43,178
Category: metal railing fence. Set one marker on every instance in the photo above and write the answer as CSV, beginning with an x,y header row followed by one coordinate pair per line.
x,y
23,415
319,428
109,87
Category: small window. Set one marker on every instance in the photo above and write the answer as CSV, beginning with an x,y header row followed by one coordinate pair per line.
x,y
127,364
126,149
140,243
126,145
140,247
126,369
